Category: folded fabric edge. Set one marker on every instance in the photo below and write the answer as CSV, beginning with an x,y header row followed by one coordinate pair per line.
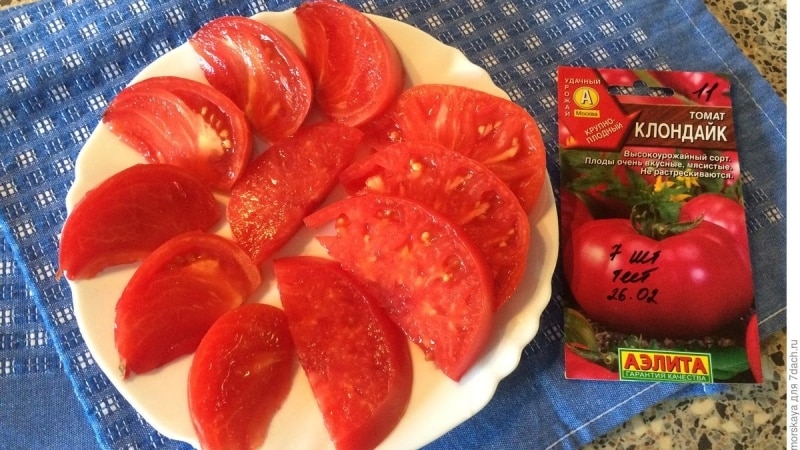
x,y
656,394
52,332
640,397
760,101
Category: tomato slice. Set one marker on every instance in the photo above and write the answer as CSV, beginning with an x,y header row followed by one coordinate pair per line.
x,y
357,361
186,123
129,215
175,296
260,69
492,130
424,271
240,376
285,183
461,189
356,68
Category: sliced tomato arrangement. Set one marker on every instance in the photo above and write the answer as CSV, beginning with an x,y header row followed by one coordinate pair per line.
x,y
357,361
285,183
260,69
461,189
423,269
185,123
175,296
491,130
240,376
432,240
130,214
356,68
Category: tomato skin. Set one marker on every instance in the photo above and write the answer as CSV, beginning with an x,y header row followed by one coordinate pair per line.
x,y
697,281
175,295
285,183
356,68
239,52
240,375
491,130
357,361
573,213
723,211
109,226
752,346
183,122
576,367
423,269
459,188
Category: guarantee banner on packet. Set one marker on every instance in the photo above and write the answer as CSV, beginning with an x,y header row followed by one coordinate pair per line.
x,y
654,239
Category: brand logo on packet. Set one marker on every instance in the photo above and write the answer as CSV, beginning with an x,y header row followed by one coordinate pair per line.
x,y
656,365
586,99
590,115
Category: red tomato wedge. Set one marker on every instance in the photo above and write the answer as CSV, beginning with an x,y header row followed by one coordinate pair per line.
x,y
285,183
185,123
130,214
494,131
175,296
240,376
357,361
260,69
461,189
356,68
422,268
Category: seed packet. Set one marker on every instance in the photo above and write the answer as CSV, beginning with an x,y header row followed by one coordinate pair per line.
x,y
654,244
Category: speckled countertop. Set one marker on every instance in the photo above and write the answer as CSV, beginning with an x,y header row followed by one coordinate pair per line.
x,y
747,416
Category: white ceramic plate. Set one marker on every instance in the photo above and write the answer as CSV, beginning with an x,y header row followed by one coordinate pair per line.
x,y
437,403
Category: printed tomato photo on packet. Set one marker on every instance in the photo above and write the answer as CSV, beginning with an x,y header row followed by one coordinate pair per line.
x,y
654,241
287,212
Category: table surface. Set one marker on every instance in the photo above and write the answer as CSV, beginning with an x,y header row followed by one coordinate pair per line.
x,y
751,415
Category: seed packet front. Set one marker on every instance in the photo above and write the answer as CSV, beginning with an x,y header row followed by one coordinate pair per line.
x,y
654,239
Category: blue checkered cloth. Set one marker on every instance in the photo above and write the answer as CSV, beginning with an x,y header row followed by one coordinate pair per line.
x,y
61,62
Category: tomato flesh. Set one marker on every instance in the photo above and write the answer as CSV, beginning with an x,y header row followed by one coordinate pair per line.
x,y
240,375
285,183
492,130
129,215
423,270
260,69
186,123
356,68
175,296
357,361
461,189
